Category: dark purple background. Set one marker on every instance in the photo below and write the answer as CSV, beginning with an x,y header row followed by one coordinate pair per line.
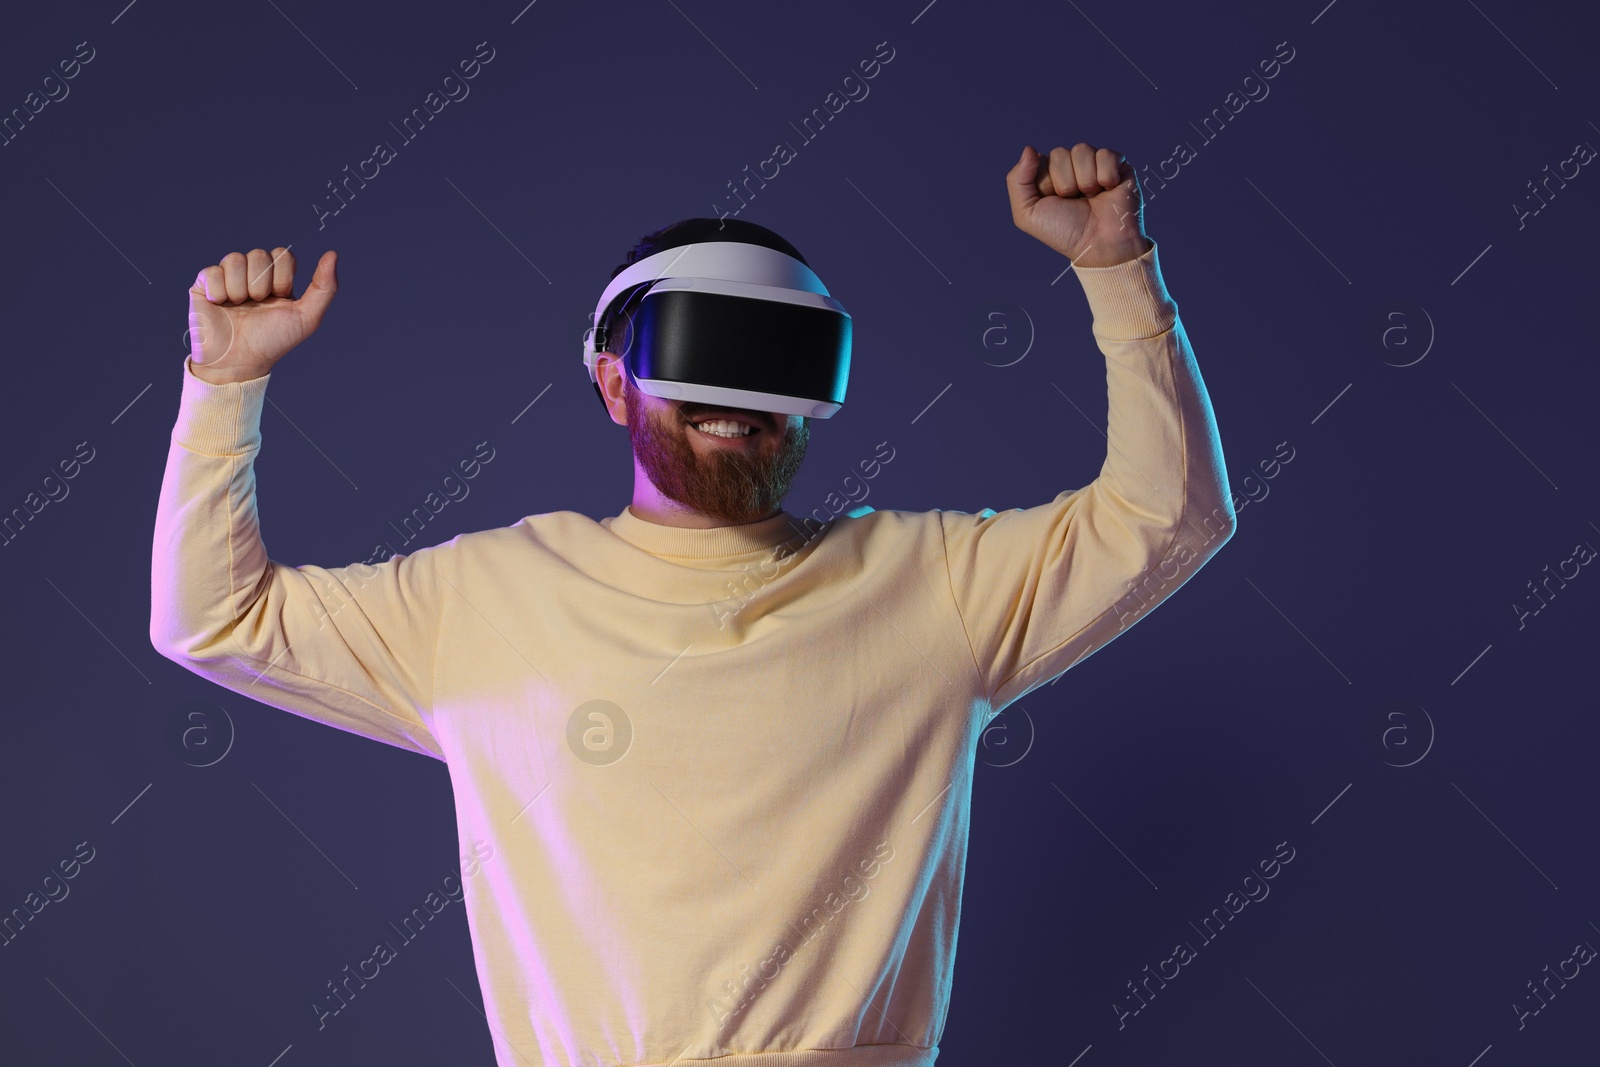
x,y
1369,590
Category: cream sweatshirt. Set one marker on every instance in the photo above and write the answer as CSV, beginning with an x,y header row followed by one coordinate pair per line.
x,y
714,784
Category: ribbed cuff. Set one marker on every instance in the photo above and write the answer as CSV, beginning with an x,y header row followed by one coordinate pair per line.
x,y
1129,299
219,420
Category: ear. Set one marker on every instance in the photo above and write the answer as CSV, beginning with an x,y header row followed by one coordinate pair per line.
x,y
609,375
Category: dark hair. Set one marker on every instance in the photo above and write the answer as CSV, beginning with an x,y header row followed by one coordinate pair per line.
x,y
683,232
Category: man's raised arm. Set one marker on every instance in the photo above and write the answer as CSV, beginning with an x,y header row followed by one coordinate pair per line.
x,y
351,647
1040,588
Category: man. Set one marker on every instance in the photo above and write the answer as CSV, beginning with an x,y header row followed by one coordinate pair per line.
x,y
709,829
687,471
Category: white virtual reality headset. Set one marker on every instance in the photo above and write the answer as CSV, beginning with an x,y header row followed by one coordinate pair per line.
x,y
729,324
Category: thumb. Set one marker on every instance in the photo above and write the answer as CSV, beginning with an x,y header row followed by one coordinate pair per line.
x,y
319,294
1022,184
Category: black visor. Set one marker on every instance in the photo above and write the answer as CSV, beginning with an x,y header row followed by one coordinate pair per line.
x,y
742,344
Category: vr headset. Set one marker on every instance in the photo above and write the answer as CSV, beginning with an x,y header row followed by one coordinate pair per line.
x,y
729,324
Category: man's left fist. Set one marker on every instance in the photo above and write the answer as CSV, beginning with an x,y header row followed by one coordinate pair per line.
x,y
1084,203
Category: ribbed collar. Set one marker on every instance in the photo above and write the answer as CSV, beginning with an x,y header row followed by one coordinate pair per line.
x,y
716,543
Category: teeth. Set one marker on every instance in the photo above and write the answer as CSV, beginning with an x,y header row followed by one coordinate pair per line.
x,y
724,428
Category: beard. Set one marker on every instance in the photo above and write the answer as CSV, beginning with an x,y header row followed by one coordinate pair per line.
x,y
740,485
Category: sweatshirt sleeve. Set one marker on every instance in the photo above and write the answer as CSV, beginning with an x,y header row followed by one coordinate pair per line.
x,y
352,647
1040,588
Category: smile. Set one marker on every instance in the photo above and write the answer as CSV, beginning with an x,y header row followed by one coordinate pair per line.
x,y
725,430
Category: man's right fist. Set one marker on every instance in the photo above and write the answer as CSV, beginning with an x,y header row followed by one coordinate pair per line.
x,y
243,317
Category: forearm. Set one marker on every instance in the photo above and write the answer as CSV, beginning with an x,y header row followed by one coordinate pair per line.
x,y
207,557
351,647
1164,473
